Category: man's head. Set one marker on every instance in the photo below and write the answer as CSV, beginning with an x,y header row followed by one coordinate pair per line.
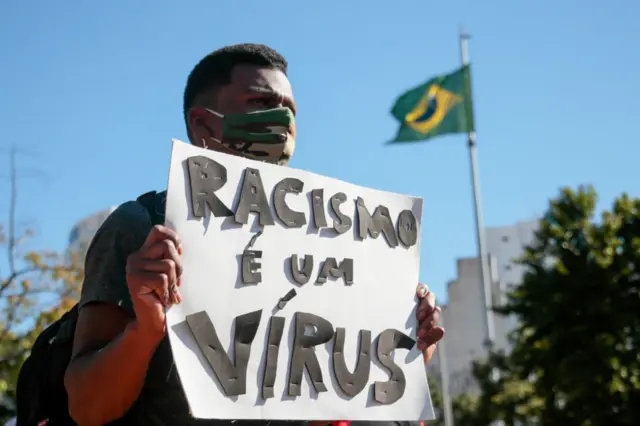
x,y
227,88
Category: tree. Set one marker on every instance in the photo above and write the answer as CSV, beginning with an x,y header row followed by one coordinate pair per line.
x,y
463,407
503,396
576,351
36,288
498,400
436,401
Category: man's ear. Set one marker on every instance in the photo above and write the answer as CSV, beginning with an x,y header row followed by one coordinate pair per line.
x,y
202,126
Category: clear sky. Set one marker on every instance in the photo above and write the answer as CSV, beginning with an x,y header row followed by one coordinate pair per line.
x,y
93,91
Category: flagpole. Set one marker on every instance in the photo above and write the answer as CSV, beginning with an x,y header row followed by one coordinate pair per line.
x,y
444,377
480,237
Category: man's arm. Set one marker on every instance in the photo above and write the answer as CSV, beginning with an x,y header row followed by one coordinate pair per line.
x,y
111,353
108,366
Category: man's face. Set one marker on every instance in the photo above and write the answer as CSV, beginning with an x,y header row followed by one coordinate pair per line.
x,y
252,88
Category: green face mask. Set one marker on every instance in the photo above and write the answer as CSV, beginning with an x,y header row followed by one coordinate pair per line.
x,y
267,136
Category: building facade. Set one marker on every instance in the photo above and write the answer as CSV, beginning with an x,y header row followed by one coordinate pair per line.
x,y
464,316
83,232
506,244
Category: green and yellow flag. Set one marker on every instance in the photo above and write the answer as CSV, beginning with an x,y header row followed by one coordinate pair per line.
x,y
441,105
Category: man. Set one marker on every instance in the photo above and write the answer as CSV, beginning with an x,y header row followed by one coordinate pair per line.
x,y
238,100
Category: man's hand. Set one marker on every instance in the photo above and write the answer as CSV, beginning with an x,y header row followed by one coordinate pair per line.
x,y
153,277
429,333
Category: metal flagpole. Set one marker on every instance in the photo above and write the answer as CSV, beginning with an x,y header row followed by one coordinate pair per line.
x,y
480,237
444,375
482,246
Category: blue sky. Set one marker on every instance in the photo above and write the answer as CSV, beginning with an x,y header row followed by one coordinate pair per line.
x,y
93,92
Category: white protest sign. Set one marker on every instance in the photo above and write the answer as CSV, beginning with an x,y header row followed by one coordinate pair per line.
x,y
339,347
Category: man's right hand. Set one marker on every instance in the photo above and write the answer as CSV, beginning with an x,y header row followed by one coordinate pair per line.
x,y
153,277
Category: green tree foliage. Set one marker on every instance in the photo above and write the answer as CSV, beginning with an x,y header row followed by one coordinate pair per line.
x,y
463,407
36,288
576,352
436,399
503,396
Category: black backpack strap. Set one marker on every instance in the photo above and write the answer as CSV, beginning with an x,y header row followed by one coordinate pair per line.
x,y
155,203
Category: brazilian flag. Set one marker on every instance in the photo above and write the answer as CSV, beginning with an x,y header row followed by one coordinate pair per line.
x,y
441,105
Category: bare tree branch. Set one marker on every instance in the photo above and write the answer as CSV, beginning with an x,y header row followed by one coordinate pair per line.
x,y
30,269
28,276
11,316
15,275
12,212
22,151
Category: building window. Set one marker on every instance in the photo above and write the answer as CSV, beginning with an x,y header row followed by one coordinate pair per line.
x,y
507,268
505,239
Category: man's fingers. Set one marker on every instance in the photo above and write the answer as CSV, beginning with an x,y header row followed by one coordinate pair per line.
x,y
154,294
427,353
432,337
426,306
428,315
156,283
159,233
156,268
164,266
430,321
164,249
422,290
177,298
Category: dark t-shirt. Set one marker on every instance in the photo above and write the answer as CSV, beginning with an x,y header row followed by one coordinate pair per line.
x,y
162,401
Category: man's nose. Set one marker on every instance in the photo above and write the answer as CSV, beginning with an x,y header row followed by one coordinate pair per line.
x,y
278,102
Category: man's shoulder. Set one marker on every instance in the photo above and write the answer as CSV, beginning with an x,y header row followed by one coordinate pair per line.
x,y
126,227
126,217
121,234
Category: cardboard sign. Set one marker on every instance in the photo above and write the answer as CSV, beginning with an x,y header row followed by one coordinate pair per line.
x,y
298,293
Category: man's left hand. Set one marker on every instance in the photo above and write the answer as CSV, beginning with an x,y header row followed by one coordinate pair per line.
x,y
429,333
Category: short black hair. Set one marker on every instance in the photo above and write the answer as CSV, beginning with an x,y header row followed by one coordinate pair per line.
x,y
215,68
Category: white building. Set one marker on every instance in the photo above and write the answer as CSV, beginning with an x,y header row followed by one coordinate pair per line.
x,y
506,244
464,315
82,233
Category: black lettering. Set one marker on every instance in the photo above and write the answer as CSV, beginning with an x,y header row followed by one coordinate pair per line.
x,y
253,199
290,218
206,176
301,276
407,228
232,376
302,352
276,327
317,203
286,299
381,221
392,390
250,268
330,267
343,224
352,384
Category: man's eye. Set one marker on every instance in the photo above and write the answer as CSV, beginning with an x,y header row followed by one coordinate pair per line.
x,y
260,101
